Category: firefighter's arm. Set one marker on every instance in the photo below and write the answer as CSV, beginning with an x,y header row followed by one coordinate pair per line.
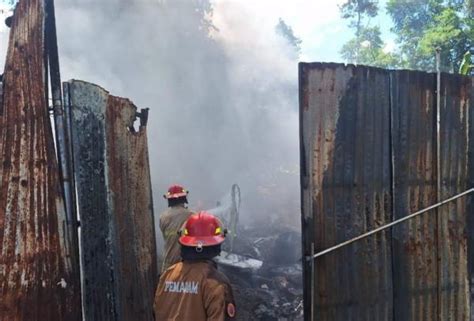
x,y
217,302
162,225
165,227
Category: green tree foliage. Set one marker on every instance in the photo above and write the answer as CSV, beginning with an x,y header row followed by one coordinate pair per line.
x,y
367,47
357,10
466,66
422,26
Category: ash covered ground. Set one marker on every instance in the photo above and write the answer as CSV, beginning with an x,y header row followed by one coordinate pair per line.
x,y
273,291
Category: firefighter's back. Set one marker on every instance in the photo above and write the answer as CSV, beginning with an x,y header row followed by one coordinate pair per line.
x,y
194,291
171,220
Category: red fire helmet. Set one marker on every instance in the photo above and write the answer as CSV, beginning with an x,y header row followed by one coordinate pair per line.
x,y
202,229
175,191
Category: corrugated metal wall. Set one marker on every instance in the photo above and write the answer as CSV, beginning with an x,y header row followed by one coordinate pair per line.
x,y
414,188
346,133
369,144
456,106
115,205
38,280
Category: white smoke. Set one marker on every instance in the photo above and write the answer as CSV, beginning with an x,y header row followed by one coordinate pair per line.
x,y
221,87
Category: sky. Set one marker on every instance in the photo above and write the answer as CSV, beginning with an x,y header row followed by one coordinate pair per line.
x,y
317,23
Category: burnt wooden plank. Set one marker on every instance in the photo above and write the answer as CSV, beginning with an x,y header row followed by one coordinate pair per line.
x,y
38,278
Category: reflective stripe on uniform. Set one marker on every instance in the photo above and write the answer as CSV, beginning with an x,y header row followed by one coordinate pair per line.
x,y
182,287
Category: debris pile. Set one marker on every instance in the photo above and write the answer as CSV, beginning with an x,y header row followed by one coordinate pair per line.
x,y
266,273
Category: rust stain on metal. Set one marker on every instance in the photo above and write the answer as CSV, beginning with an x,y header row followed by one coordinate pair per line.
x,y
377,147
453,253
115,204
37,281
325,117
345,131
129,174
414,158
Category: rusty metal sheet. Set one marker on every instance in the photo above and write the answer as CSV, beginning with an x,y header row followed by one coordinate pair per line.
x,y
115,205
129,174
470,202
454,285
37,278
87,122
346,190
431,256
415,271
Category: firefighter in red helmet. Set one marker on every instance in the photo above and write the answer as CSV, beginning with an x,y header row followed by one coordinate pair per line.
x,y
171,220
193,289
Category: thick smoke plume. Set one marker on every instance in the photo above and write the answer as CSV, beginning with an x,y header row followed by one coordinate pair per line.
x,y
222,89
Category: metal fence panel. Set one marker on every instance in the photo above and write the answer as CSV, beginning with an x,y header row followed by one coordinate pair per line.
x,y
415,271
348,153
345,127
38,280
453,251
470,201
115,205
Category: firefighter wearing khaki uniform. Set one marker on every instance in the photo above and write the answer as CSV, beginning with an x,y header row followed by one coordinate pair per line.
x,y
171,221
194,290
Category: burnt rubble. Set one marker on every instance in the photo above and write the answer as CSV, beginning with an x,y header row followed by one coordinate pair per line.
x,y
266,273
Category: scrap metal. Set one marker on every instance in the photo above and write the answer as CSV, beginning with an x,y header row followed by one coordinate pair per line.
x,y
115,204
265,273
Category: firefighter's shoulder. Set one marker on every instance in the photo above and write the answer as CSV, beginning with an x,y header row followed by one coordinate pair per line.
x,y
174,269
212,276
219,284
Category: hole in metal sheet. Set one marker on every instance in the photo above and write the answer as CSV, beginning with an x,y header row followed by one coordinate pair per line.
x,y
141,120
135,128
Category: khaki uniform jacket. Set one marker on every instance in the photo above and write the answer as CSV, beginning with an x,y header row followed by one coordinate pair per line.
x,y
194,291
171,222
